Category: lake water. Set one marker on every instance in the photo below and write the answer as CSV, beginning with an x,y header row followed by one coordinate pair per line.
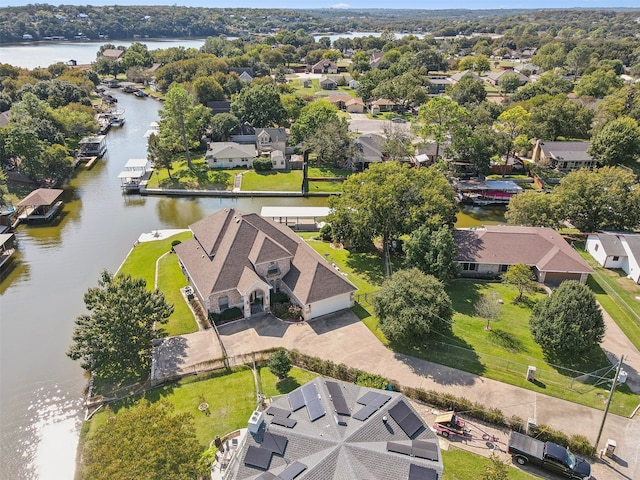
x,y
41,389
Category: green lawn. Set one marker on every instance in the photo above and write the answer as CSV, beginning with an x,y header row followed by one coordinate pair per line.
x,y
618,295
271,181
141,262
273,387
199,177
462,465
170,281
324,171
503,353
231,397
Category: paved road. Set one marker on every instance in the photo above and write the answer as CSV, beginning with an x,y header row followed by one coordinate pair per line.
x,y
359,123
342,338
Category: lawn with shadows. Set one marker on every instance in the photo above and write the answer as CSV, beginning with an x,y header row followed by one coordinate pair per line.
x,y
503,353
272,181
199,177
272,387
170,281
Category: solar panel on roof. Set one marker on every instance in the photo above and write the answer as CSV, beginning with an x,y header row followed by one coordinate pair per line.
x,y
416,472
274,443
309,392
399,411
399,448
367,398
379,400
425,445
340,405
284,422
279,412
364,413
266,476
292,471
334,389
296,400
315,410
411,424
258,457
426,454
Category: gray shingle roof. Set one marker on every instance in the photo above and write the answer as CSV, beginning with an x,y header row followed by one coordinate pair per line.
x,y
612,245
357,451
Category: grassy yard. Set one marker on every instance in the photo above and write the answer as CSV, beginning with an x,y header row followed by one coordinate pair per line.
x,y
231,397
300,90
503,353
463,465
141,262
199,177
270,181
618,295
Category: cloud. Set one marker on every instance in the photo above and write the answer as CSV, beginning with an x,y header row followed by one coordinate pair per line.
x,y
340,5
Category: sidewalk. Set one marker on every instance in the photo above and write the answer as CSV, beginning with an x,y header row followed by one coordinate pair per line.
x,y
342,338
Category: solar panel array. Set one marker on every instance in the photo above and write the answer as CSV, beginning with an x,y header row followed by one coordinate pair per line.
x,y
312,401
337,398
408,421
260,457
372,401
417,448
289,473
416,472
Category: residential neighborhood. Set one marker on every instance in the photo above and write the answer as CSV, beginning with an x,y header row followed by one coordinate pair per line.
x,y
331,254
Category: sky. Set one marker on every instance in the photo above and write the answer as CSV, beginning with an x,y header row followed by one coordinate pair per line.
x,y
360,4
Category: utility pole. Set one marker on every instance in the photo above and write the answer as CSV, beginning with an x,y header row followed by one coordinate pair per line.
x,y
606,408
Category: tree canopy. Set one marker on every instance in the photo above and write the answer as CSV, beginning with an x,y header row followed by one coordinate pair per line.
x,y
148,440
617,143
114,339
280,363
569,321
521,277
260,106
433,251
410,305
389,200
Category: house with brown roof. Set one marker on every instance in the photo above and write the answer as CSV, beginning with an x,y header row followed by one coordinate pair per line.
x,y
494,77
114,54
325,66
354,105
238,259
490,251
382,105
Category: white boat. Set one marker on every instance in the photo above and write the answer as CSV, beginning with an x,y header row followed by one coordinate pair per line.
x,y
117,118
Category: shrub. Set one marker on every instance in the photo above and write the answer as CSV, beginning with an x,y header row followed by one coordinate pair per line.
x,y
279,297
545,433
262,164
326,233
581,445
371,380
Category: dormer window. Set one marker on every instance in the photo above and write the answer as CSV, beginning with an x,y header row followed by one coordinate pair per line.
x,y
273,269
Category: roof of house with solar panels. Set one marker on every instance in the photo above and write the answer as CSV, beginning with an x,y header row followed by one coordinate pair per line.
x,y
332,430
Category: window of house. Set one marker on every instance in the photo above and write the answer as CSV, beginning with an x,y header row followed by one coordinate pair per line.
x,y
223,303
469,267
273,269
615,259
504,268
596,247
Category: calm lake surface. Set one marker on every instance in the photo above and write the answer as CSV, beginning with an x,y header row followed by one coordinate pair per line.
x,y
41,389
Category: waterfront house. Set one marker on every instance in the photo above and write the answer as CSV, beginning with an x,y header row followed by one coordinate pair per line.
x,y
270,140
563,156
230,155
489,251
369,149
93,146
113,54
238,259
617,251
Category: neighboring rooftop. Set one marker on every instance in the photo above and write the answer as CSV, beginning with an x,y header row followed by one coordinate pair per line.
x,y
376,436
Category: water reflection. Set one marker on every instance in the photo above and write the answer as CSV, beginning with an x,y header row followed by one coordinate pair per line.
x,y
472,216
17,270
179,215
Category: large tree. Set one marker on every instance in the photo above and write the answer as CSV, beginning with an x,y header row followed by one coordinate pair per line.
x,y
520,276
114,339
439,117
181,121
223,125
512,123
603,199
389,200
618,142
158,154
433,251
569,321
332,145
468,91
410,304
260,106
534,209
311,118
148,440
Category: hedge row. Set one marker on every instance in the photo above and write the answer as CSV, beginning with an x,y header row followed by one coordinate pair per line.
x,y
445,401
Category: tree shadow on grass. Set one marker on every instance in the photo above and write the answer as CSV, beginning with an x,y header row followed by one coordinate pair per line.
x,y
369,265
506,340
464,294
360,311
287,385
595,287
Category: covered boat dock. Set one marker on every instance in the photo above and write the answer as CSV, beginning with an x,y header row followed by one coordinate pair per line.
x,y
41,205
298,218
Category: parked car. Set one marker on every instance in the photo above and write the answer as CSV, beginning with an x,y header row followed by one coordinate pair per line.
x,y
548,455
398,120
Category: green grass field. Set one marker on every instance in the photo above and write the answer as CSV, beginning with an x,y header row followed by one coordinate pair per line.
x,y
270,181
199,177
231,396
503,353
463,465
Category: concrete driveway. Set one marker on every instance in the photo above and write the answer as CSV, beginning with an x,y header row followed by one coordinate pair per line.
x,y
359,123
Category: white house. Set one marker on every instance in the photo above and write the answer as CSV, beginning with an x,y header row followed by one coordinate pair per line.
x,y
616,250
230,155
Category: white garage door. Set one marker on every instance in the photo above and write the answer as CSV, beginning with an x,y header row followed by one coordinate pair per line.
x,y
330,305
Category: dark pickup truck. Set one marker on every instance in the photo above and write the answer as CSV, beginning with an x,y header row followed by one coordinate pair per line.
x,y
549,456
